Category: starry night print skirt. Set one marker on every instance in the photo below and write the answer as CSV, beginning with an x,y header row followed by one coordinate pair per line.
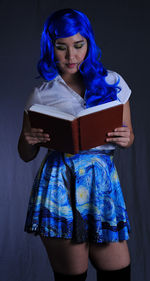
x,y
78,197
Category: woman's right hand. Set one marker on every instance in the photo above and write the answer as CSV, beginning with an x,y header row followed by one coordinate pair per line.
x,y
28,139
34,136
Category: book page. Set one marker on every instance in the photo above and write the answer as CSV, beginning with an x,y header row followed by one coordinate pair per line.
x,y
97,108
51,111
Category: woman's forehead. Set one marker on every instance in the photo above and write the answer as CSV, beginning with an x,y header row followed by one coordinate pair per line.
x,y
71,39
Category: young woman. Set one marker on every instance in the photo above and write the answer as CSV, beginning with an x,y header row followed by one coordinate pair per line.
x,y
76,204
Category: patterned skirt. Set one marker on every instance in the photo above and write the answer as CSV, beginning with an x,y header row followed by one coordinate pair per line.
x,y
78,197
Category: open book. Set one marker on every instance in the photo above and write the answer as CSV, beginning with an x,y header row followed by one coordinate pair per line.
x,y
72,134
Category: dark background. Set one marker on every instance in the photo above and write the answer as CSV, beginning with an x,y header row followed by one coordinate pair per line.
x,y
122,32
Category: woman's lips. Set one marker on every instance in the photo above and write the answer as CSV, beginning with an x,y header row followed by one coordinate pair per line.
x,y
71,65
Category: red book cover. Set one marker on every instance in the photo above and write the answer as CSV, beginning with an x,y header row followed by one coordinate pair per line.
x,y
94,127
63,133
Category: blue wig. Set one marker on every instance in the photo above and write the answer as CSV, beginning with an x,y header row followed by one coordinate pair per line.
x,y
65,23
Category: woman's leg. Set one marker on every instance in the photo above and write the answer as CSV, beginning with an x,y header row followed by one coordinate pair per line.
x,y
109,256
111,260
67,258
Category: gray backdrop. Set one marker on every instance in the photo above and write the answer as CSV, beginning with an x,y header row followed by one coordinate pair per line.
x,y
122,32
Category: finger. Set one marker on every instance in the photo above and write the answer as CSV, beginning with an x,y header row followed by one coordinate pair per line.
x,y
119,133
32,139
37,135
36,141
36,130
32,133
122,129
44,139
118,139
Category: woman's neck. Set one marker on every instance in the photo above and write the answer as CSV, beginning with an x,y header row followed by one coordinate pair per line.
x,y
72,78
75,81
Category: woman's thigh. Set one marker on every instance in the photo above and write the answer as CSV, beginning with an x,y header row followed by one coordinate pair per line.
x,y
66,257
109,256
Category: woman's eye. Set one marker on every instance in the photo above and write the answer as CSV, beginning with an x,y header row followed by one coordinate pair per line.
x,y
78,46
59,47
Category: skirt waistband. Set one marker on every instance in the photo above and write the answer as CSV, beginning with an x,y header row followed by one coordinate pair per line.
x,y
89,151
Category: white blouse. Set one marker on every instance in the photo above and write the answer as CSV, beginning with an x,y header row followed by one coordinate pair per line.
x,y
58,94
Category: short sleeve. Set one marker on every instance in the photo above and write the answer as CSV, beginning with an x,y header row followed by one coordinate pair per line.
x,y
125,91
33,98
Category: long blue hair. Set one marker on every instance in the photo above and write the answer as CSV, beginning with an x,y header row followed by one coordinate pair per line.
x,y
65,23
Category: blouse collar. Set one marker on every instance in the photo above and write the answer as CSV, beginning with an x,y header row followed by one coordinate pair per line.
x,y
74,93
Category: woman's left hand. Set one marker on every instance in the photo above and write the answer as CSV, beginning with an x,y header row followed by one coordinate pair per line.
x,y
123,136
120,136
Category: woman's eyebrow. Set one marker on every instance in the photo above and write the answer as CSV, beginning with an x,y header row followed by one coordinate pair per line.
x,y
81,41
76,42
60,43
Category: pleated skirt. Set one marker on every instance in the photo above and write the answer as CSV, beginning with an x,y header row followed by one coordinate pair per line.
x,y
78,197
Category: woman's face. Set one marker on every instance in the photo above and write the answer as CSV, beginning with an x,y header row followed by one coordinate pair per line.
x,y
70,53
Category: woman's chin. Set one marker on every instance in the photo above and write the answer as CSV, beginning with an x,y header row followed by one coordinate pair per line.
x,y
71,71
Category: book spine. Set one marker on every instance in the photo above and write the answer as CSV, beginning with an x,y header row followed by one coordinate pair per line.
x,y
75,135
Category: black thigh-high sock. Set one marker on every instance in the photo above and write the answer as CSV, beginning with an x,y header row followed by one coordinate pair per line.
x,y
66,277
122,274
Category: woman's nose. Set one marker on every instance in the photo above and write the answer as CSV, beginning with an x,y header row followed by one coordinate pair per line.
x,y
69,53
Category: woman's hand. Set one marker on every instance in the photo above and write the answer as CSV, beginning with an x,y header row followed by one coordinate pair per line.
x,y
120,136
34,136
123,136
29,138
